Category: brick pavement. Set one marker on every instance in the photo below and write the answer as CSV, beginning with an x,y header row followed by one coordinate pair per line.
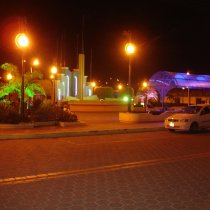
x,y
122,172
78,129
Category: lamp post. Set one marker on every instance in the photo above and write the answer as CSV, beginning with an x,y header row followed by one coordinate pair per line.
x,y
145,85
53,71
188,89
22,42
129,49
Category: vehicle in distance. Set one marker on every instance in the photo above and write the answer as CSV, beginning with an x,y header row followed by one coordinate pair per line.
x,y
193,118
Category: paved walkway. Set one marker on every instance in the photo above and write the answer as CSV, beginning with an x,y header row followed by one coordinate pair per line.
x,y
89,124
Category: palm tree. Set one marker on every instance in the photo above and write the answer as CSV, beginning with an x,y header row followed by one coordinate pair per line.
x,y
14,85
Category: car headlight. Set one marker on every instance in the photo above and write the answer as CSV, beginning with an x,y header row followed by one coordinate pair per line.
x,y
184,120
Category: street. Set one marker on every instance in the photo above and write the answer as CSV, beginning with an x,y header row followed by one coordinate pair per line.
x,y
140,171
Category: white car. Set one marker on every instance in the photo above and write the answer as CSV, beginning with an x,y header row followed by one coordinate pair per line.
x,y
193,118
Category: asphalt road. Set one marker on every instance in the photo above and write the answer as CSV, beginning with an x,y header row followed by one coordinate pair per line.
x,y
141,171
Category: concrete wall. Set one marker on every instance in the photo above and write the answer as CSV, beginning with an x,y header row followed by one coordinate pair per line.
x,y
97,106
142,117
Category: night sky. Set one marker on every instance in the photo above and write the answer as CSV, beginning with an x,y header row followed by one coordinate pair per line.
x,y
170,35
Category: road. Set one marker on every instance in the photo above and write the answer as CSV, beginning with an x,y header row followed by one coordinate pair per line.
x,y
141,171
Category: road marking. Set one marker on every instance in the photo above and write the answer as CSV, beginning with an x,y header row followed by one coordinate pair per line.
x,y
101,169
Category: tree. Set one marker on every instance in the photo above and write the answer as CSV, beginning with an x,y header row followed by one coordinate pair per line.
x,y
14,85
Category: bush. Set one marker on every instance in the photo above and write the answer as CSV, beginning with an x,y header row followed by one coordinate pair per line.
x,y
45,111
42,112
8,114
104,92
66,115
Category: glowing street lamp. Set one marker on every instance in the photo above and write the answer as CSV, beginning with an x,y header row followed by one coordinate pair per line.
x,y
120,87
129,49
93,84
35,62
53,71
22,42
9,76
145,85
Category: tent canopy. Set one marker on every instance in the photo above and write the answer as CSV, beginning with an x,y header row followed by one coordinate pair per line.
x,y
164,81
169,80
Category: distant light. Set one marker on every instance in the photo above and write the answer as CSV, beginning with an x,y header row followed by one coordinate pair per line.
x,y
93,84
145,84
54,70
9,76
125,98
120,86
36,62
188,73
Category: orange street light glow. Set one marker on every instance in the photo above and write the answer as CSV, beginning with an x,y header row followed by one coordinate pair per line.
x,y
21,40
119,86
93,84
9,76
54,70
130,48
145,84
36,62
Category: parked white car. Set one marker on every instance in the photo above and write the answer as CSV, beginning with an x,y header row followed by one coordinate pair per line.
x,y
193,118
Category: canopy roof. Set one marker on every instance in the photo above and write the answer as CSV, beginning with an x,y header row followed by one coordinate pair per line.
x,y
169,80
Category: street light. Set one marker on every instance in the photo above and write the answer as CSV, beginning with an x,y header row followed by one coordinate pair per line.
x,y
129,49
9,76
22,42
145,85
93,85
53,71
188,89
35,62
119,87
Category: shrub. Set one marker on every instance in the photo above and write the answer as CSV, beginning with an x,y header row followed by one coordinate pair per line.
x,y
45,111
66,115
104,92
8,114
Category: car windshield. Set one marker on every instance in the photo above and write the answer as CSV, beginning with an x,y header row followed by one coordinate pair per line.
x,y
192,109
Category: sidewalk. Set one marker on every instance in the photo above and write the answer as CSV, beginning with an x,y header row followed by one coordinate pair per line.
x,y
89,124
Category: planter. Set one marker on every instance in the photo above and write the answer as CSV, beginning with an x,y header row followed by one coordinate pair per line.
x,y
133,117
65,124
45,123
19,125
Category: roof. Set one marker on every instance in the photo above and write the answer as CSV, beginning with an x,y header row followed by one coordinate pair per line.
x,y
172,80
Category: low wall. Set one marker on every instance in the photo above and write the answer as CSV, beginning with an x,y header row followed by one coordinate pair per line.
x,y
142,117
102,106
97,106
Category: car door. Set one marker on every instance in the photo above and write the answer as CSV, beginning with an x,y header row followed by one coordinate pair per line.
x,y
205,117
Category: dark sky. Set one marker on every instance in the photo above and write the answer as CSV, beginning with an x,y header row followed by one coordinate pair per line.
x,y
171,35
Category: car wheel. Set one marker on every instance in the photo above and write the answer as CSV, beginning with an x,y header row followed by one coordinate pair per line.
x,y
194,127
171,130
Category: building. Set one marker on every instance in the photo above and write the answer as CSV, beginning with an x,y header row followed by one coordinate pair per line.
x,y
67,84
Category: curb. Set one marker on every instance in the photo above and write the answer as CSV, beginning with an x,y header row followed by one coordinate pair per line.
x,y
80,133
